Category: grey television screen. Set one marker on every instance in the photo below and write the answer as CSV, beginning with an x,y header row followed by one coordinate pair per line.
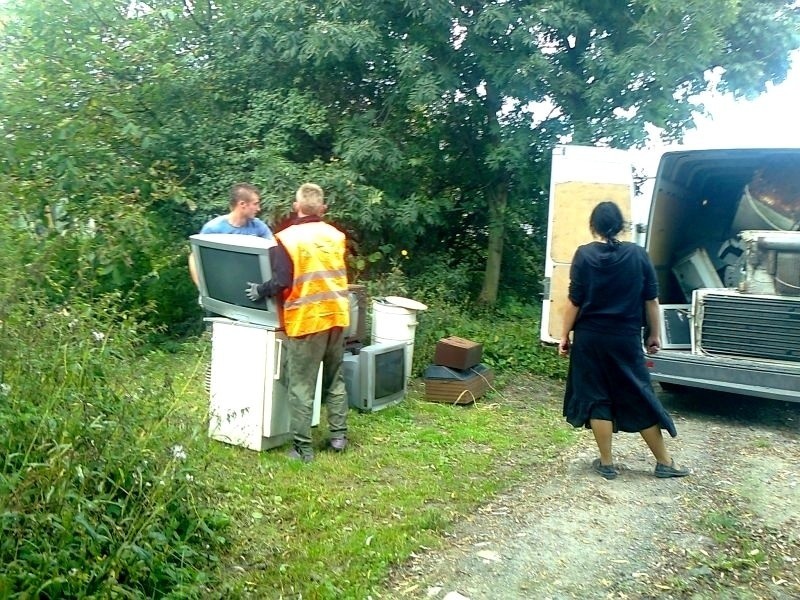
x,y
225,263
376,377
675,325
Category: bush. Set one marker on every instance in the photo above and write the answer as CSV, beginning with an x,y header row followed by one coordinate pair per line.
x,y
97,494
510,337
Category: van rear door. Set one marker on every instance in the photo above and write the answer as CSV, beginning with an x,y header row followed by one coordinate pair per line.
x,y
580,178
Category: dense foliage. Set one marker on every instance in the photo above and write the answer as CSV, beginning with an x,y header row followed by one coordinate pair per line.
x,y
508,333
428,123
97,498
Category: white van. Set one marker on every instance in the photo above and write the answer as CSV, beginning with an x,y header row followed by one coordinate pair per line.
x,y
723,233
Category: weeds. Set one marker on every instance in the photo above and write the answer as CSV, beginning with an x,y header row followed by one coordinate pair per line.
x,y
97,496
110,487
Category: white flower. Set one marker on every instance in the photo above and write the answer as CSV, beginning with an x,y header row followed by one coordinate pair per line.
x,y
99,335
5,389
178,452
189,478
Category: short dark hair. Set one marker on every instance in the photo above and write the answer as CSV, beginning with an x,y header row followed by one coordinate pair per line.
x,y
241,191
606,220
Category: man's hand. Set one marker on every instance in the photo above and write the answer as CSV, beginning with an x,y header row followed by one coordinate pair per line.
x,y
563,346
251,291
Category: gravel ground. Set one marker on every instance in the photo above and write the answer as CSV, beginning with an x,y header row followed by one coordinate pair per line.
x,y
730,530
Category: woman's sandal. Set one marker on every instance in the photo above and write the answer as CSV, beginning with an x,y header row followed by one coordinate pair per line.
x,y
663,471
607,471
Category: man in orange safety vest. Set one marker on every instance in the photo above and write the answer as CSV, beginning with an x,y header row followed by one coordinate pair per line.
x,y
310,276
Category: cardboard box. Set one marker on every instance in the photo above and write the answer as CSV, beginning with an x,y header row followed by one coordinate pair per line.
x,y
452,386
457,353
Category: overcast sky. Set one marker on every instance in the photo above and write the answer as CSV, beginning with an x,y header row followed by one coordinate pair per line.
x,y
771,120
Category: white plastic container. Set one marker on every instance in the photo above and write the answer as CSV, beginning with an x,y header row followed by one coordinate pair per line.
x,y
394,319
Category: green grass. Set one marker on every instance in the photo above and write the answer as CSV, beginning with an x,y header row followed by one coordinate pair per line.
x,y
111,487
334,528
762,443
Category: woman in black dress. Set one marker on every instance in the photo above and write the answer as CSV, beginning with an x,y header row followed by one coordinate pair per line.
x,y
612,284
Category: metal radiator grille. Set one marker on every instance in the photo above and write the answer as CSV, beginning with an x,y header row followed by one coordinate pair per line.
x,y
751,326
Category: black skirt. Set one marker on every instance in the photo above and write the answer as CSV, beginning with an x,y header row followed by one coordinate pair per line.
x,y
608,380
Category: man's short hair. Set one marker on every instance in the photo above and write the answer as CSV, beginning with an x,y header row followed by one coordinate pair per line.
x,y
310,199
242,191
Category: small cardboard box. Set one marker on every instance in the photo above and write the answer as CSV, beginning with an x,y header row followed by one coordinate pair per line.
x,y
457,353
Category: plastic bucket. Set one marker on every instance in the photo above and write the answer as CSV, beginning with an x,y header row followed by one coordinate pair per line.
x,y
392,323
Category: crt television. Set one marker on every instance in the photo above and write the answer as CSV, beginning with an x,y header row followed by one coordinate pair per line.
x,y
375,377
225,263
675,326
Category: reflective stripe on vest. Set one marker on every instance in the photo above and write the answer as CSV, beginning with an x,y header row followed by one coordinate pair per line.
x,y
318,298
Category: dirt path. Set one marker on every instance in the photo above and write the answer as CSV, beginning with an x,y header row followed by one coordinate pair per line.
x,y
731,530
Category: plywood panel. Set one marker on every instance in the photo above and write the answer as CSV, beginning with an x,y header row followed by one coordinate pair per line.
x,y
559,287
581,178
573,203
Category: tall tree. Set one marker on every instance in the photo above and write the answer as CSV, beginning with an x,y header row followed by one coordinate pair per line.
x,y
449,108
86,105
424,119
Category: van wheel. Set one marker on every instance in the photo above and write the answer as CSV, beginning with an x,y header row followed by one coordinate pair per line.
x,y
675,388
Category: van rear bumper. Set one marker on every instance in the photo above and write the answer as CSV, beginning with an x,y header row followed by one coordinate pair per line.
x,y
764,379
